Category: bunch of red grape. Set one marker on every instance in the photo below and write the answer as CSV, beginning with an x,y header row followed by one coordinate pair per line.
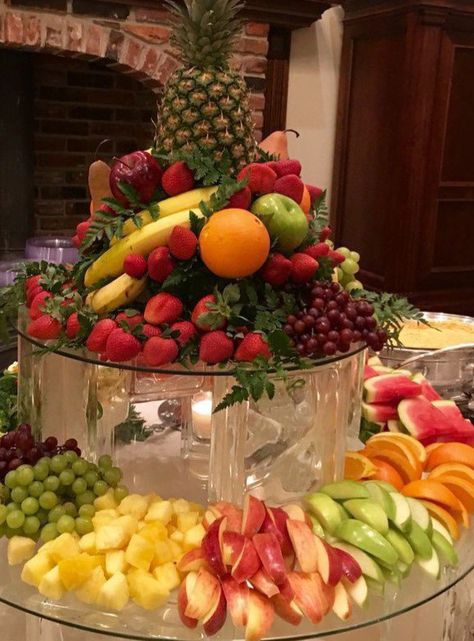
x,y
19,446
331,321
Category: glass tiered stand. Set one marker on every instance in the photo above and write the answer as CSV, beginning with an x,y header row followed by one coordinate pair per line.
x,y
278,450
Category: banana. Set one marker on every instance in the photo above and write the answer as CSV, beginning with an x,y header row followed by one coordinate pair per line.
x,y
119,292
142,242
187,200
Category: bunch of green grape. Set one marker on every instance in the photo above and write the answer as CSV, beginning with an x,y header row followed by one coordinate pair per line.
x,y
56,495
347,270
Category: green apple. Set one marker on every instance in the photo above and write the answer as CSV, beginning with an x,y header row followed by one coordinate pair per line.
x,y
430,565
439,527
375,587
402,517
325,509
343,490
386,486
444,548
317,527
366,538
419,541
368,511
342,511
401,545
284,219
370,568
420,515
383,498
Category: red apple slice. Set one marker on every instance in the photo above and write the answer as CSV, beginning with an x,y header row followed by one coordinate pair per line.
x,y
264,584
269,552
232,544
201,598
186,586
215,618
350,568
342,605
192,561
295,512
253,516
237,596
286,590
247,564
325,592
232,513
280,518
287,610
304,545
290,561
358,591
260,616
212,545
209,518
329,563
307,597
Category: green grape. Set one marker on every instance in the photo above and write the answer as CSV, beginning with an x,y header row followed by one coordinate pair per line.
x,y
349,266
66,524
5,493
120,493
49,532
345,251
80,467
3,530
83,526
92,467
355,284
113,476
25,475
30,506
355,256
36,489
100,488
85,498
70,509
79,486
70,456
67,477
19,494
11,480
31,525
15,519
58,463
42,515
3,513
10,532
105,461
48,500
51,484
56,513
339,274
91,477
87,511
41,470
12,506
44,460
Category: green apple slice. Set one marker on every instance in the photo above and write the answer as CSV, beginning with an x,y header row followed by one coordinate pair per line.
x,y
419,541
317,527
325,509
439,527
368,511
375,587
403,568
431,565
343,512
388,487
343,490
401,545
392,575
383,498
444,549
366,538
370,568
420,515
402,512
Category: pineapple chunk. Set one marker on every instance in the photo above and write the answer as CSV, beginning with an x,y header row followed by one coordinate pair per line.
x,y
129,523
161,511
177,536
35,569
115,562
140,552
163,553
20,548
89,590
176,550
114,594
106,501
167,576
51,585
180,506
104,517
116,535
186,520
134,504
64,547
145,590
154,531
193,537
87,543
74,571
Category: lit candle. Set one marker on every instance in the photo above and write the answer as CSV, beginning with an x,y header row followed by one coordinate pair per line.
x,y
201,413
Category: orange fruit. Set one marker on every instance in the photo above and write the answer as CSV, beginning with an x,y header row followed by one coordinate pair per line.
x,y
451,453
444,517
357,466
415,447
305,203
453,469
234,243
399,461
432,491
462,489
432,448
385,472
378,444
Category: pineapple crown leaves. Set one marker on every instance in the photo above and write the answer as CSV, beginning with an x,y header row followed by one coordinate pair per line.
x,y
206,30
227,306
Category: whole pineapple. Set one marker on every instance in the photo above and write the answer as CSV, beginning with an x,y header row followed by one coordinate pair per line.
x,y
205,103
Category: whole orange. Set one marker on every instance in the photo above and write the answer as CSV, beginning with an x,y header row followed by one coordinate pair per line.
x,y
234,243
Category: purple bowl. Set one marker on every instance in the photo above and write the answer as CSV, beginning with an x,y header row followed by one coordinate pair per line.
x,y
8,270
59,250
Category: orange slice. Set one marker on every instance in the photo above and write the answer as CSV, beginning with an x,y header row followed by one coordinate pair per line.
x,y
385,472
451,453
357,466
373,446
433,491
407,471
432,448
416,448
453,469
462,489
445,517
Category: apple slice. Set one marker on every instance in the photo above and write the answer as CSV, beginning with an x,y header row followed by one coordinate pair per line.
x,y
216,617
369,567
232,513
287,610
325,509
202,597
307,597
232,544
329,562
212,545
420,515
358,591
280,517
402,517
342,606
303,541
326,592
344,490
286,590
431,565
262,582
383,498
290,561
295,512
192,561
419,542
260,616
351,570
444,548
368,511
253,515
247,564
269,552
209,518
186,588
401,545
441,529
236,596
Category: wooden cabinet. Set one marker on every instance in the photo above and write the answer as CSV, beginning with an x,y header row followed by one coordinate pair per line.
x,y
404,166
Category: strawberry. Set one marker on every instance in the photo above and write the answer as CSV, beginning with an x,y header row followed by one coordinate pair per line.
x,y
130,317
82,229
32,282
135,265
36,308
252,345
160,351
160,264
314,192
177,179
75,241
215,347
336,257
317,250
121,346
290,186
276,270
150,330
204,307
73,327
97,339
241,199
105,209
186,331
45,327
163,308
182,243
31,293
287,168
261,178
303,267
324,233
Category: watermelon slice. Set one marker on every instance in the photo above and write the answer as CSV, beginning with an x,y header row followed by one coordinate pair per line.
x,y
423,420
427,389
379,412
462,430
396,426
369,372
389,388
381,369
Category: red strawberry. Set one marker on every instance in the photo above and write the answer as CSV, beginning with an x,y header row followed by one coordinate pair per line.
x,y
276,270
45,327
163,308
160,351
97,339
135,265
177,179
202,308
32,282
81,230
261,178
186,331
336,257
290,186
121,346
132,320
37,304
324,233
31,293
314,192
252,345
241,199
150,330
287,168
73,326
182,243
160,264
317,250
272,164
215,347
104,208
75,241
303,267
